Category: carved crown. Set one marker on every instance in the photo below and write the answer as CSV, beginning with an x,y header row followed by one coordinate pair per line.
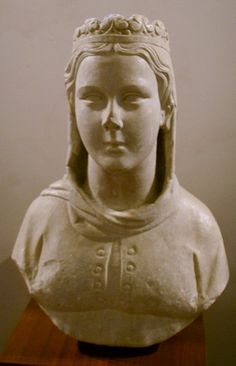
x,y
117,28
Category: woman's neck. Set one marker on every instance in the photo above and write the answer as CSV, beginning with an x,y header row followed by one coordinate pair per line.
x,y
122,190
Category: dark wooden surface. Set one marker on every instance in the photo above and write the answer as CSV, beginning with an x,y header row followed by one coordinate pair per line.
x,y
36,341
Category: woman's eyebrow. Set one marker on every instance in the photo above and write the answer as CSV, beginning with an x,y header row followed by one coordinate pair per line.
x,y
135,88
86,88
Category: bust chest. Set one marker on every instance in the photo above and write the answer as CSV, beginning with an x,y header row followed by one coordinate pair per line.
x,y
147,273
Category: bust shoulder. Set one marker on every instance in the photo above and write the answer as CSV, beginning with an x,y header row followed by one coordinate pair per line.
x,y
40,217
43,209
209,258
199,218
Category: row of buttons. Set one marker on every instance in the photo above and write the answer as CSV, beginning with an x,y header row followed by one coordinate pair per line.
x,y
99,267
130,266
101,251
98,284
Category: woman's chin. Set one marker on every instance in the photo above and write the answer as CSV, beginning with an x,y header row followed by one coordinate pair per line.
x,y
116,163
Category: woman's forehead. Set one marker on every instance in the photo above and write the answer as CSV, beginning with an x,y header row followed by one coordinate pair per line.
x,y
115,68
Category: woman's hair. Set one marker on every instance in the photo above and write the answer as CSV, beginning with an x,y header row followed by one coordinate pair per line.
x,y
157,57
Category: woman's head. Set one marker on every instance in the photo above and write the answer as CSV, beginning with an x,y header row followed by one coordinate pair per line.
x,y
154,49
116,35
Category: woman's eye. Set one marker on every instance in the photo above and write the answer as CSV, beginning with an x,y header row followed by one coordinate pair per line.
x,y
93,98
132,98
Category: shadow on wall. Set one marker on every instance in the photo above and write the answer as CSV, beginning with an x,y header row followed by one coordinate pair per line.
x,y
220,329
13,299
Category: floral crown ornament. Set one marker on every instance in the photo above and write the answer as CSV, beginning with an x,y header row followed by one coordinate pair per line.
x,y
116,28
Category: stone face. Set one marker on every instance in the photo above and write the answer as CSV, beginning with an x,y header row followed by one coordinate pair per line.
x,y
117,252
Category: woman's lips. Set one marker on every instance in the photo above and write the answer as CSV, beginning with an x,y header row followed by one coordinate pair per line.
x,y
114,146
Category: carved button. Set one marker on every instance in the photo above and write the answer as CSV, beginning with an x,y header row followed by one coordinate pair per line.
x,y
130,267
100,252
98,284
98,268
131,251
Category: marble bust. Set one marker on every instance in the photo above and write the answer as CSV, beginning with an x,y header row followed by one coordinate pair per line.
x,y
117,252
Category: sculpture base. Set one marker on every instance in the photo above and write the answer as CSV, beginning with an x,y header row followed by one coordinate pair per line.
x,y
36,341
93,350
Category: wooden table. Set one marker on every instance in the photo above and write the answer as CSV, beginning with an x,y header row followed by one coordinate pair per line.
x,y
36,341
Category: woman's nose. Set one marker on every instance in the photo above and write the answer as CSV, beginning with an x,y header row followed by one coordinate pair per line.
x,y
111,118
